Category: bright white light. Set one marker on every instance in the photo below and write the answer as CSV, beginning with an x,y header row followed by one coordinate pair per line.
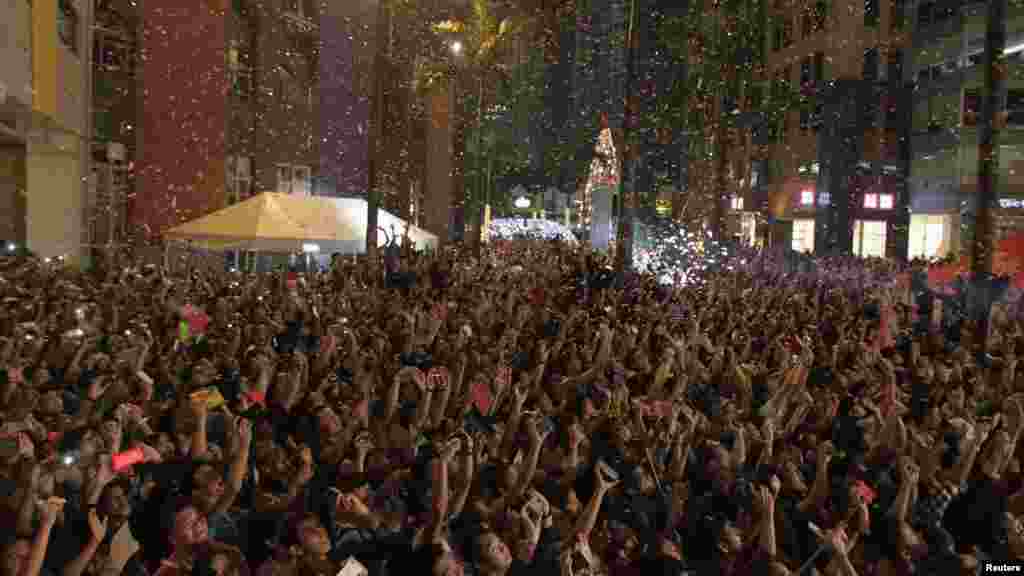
x,y
11,247
456,47
310,248
522,203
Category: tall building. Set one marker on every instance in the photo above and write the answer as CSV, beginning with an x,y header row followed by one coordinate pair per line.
x,y
948,73
201,104
44,98
827,175
228,102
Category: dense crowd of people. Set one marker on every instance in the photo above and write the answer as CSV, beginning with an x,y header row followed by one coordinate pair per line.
x,y
517,412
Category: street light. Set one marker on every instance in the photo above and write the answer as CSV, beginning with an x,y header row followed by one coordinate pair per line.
x,y
522,203
456,47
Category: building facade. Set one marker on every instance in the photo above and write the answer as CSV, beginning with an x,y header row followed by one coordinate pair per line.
x,y
228,105
794,171
948,74
201,104
44,98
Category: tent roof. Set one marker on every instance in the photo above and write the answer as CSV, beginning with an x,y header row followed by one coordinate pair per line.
x,y
270,216
283,222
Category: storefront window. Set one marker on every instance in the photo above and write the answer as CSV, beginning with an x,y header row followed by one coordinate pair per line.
x,y
803,235
928,238
869,238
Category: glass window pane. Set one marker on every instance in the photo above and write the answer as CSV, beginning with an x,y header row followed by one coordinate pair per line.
x,y
284,179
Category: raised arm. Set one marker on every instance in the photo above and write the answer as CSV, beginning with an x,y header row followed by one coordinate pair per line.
x,y
240,464
97,530
820,490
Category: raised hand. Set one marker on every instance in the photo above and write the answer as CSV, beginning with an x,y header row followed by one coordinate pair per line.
x,y
198,404
97,527
836,539
244,427
602,479
149,453
97,387
824,453
765,500
519,396
536,432
576,434
768,432
449,450
51,509
911,471
364,444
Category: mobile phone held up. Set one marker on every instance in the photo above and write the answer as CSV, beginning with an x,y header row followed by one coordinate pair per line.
x,y
352,567
607,472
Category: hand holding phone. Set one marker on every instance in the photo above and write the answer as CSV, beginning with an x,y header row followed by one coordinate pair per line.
x,y
352,567
606,472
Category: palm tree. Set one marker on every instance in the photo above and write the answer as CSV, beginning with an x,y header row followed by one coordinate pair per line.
x,y
482,37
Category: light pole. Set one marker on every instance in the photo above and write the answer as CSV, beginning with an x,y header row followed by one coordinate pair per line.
x,y
459,145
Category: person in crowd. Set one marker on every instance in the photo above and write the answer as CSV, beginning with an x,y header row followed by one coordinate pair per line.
x,y
517,411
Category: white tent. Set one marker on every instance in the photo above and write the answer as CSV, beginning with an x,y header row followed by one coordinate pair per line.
x,y
271,222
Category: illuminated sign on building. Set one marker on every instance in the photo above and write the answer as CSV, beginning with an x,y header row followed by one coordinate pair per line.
x,y
1011,202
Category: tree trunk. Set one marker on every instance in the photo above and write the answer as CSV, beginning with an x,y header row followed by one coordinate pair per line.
x,y
720,185
377,134
477,206
988,163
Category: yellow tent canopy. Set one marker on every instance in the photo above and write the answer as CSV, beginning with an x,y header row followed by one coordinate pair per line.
x,y
272,222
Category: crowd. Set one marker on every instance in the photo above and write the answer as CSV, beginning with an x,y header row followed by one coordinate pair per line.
x,y
515,413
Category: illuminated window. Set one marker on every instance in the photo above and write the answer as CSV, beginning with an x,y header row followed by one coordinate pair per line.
x,y
239,170
871,200
824,199
807,198
297,8
737,203
296,180
803,235
240,69
885,201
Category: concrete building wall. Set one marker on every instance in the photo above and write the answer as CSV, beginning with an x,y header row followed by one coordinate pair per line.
x,y
44,97
16,51
286,104
15,102
71,96
55,199
12,193
181,145
343,124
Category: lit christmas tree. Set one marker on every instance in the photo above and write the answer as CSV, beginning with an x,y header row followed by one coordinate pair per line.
x,y
604,171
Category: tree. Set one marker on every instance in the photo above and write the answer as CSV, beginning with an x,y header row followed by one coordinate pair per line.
x,y
722,94
482,36
497,149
